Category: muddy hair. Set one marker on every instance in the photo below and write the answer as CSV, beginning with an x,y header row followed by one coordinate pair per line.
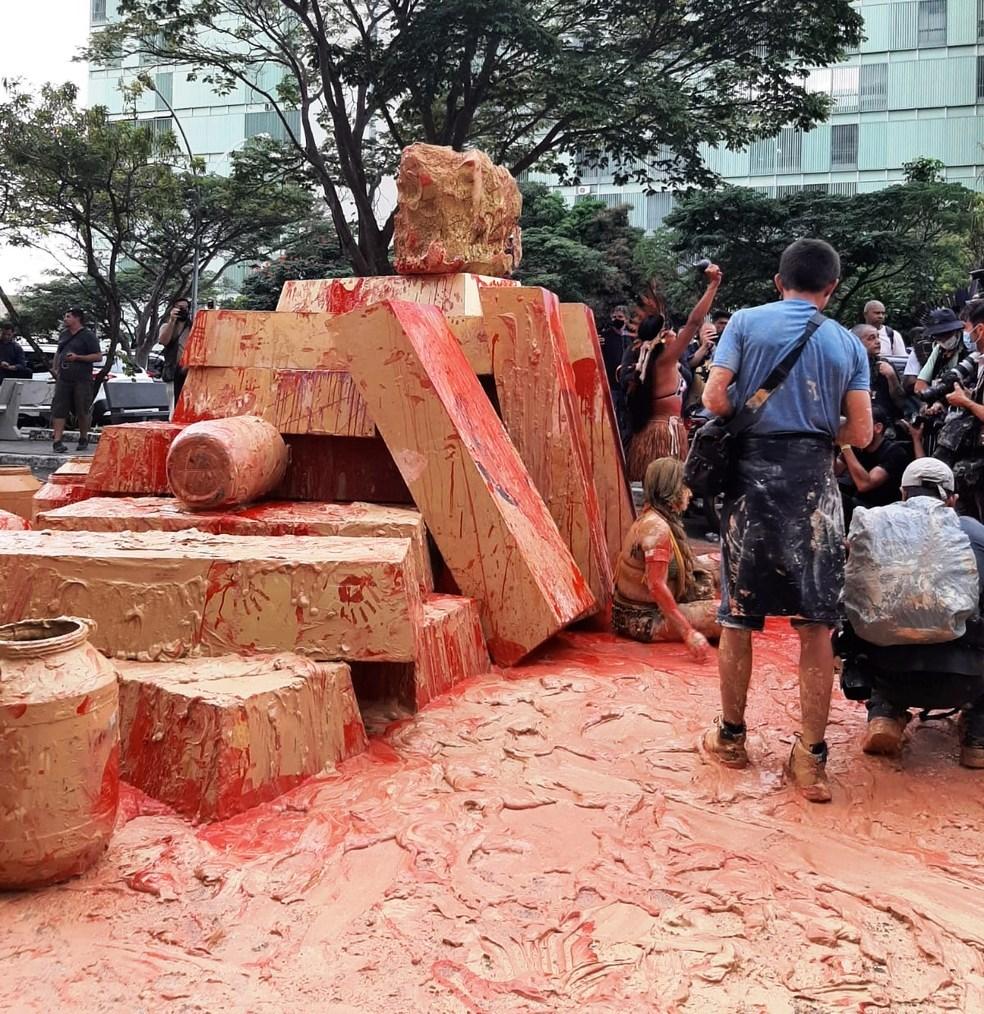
x,y
662,486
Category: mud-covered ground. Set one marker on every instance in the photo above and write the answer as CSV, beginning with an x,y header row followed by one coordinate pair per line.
x,y
543,840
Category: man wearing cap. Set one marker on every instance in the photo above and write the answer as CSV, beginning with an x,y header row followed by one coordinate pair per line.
x,y
947,331
925,676
890,342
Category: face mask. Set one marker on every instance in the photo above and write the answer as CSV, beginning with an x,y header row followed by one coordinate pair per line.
x,y
950,344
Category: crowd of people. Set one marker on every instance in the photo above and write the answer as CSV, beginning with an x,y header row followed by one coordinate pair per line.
x,y
861,421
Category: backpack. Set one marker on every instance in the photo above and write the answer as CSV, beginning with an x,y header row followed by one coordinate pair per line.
x,y
911,574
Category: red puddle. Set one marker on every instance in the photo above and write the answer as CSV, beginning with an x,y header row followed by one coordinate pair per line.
x,y
543,840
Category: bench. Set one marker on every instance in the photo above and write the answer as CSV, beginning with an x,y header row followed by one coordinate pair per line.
x,y
125,399
10,399
22,397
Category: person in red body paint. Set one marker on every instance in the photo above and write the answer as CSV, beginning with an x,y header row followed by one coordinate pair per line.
x,y
662,593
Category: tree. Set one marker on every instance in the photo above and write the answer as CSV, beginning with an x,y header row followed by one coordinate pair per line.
x,y
585,254
557,84
312,252
113,196
907,245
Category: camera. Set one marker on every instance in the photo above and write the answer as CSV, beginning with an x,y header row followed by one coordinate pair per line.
x,y
964,373
182,315
855,682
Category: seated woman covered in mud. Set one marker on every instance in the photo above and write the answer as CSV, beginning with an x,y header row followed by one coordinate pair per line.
x,y
662,591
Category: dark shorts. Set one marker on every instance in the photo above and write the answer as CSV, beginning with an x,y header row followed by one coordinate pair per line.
x,y
71,396
636,621
782,534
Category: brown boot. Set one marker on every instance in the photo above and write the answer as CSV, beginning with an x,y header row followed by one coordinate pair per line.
x,y
884,736
807,771
727,748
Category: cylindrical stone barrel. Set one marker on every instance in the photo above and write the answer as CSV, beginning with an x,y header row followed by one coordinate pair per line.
x,y
225,462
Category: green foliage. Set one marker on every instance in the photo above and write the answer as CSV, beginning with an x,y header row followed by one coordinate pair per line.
x,y
557,84
907,245
117,198
313,252
585,254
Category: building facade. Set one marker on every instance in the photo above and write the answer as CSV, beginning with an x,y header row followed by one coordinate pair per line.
x,y
913,88
215,125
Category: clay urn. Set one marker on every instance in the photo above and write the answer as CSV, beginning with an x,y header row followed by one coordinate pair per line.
x,y
59,740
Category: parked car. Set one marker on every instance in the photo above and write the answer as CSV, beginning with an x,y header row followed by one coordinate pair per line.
x,y
124,371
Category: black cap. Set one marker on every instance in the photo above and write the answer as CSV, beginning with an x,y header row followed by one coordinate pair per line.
x,y
943,321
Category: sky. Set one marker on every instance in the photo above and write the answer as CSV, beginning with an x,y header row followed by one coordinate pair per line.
x,y
38,39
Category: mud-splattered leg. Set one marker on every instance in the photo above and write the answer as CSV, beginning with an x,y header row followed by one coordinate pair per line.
x,y
735,670
816,677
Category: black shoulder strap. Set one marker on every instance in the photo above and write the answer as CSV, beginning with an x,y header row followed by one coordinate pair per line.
x,y
746,416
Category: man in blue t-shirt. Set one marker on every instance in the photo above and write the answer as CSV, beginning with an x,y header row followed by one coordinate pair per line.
x,y
782,547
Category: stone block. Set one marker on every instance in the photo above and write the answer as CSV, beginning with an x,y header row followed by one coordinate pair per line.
x,y
250,339
165,595
212,737
538,401
457,295
594,403
321,402
341,468
494,531
452,649
132,458
269,519
456,211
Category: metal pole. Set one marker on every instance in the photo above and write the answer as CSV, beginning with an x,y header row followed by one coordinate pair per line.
x,y
198,197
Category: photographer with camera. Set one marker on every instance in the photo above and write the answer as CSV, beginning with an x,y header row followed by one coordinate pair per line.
x,y
912,596
961,440
947,331
173,335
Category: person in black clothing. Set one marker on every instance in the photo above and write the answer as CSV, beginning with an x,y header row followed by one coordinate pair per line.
x,y
13,362
615,339
886,388
78,349
872,476
173,335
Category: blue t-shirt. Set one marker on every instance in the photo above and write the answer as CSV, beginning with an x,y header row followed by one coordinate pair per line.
x,y
809,400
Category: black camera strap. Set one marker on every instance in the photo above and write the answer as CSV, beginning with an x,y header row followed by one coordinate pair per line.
x,y
744,418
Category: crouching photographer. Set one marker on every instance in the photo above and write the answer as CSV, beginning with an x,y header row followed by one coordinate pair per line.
x,y
914,636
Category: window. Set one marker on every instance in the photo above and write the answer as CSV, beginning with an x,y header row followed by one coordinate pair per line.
x,y
932,23
155,43
163,90
980,20
763,157
980,79
844,146
788,191
874,86
844,189
269,123
658,206
160,125
98,12
845,89
818,80
789,151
